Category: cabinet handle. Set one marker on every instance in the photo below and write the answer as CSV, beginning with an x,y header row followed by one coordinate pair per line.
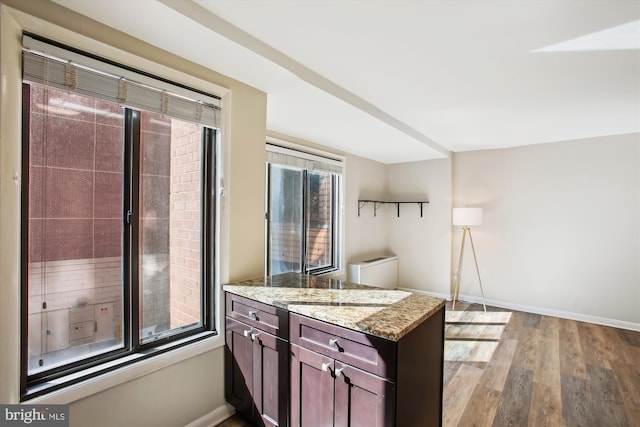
x,y
338,371
246,332
334,344
254,335
325,366
253,314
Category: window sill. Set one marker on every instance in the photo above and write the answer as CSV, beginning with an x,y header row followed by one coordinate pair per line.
x,y
122,371
329,271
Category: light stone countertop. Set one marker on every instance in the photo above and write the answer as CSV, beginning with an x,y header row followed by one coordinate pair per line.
x,y
389,314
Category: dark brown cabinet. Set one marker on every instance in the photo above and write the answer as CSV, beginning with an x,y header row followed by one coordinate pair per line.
x,y
257,361
341,377
285,369
239,367
363,399
325,392
312,388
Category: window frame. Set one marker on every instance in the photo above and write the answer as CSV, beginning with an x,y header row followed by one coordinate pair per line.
x,y
335,224
133,349
336,217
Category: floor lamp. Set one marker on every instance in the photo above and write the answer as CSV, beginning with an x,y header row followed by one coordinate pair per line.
x,y
466,217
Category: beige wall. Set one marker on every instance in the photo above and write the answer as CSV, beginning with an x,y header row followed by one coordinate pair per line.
x,y
561,227
364,236
423,244
176,388
561,232
174,396
10,150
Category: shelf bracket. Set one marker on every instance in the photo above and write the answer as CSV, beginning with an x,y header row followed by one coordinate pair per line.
x,y
361,204
376,205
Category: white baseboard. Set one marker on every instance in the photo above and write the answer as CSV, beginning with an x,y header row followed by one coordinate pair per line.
x,y
214,417
615,323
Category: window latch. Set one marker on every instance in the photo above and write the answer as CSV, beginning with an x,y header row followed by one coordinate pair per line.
x,y
128,217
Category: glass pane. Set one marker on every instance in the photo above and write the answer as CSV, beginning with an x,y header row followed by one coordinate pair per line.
x,y
285,240
75,228
170,226
319,219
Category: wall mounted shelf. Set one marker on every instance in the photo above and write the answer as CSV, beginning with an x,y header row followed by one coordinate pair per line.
x,y
378,203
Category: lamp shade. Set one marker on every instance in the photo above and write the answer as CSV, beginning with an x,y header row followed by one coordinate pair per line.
x,y
467,216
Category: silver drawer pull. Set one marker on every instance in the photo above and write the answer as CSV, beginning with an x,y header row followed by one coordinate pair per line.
x,y
334,344
253,314
325,366
254,335
338,372
246,332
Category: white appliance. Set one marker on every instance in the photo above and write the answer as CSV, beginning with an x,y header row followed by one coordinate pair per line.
x,y
380,271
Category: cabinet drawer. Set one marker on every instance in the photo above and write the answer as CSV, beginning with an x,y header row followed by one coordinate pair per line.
x,y
262,316
372,354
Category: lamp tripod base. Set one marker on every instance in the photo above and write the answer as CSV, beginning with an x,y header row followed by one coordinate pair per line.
x,y
456,277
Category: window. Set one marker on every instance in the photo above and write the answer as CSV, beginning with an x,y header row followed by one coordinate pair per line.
x,y
118,220
303,200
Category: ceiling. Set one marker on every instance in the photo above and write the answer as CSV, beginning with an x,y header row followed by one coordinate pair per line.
x,y
398,81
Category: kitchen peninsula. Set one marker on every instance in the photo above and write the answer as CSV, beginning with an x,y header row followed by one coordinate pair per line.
x,y
307,351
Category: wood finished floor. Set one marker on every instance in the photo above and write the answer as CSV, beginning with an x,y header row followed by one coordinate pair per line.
x,y
510,368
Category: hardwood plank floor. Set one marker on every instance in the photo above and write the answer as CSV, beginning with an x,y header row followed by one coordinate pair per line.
x,y
510,368
560,373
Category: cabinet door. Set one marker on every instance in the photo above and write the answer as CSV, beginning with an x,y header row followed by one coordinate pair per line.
x,y
239,366
312,393
362,399
270,379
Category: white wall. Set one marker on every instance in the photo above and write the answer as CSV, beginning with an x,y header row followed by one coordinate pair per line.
x,y
423,245
175,388
561,227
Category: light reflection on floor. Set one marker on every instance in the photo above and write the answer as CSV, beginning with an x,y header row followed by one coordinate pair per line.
x,y
473,336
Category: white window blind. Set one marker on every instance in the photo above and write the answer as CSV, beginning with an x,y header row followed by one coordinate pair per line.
x,y
51,65
302,160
